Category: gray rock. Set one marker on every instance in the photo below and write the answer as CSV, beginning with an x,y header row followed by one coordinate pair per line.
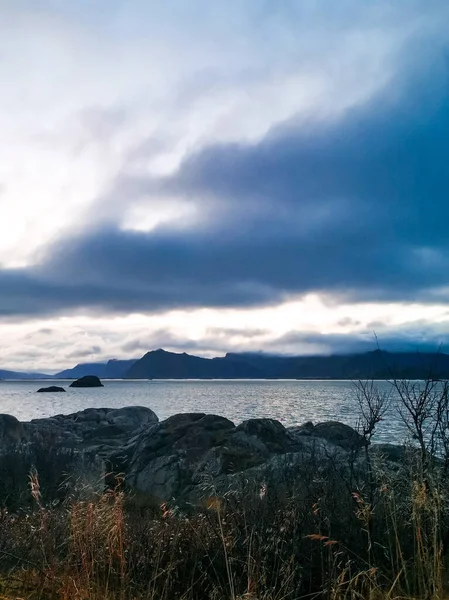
x,y
190,455
269,431
301,430
339,434
109,431
240,452
101,430
131,418
249,445
192,432
93,415
163,478
172,450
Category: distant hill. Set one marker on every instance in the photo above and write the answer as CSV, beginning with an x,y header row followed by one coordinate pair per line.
x,y
81,370
113,369
375,365
117,369
4,374
160,364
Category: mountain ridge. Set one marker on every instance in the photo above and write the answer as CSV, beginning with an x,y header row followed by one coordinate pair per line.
x,y
162,364
8,374
111,369
378,364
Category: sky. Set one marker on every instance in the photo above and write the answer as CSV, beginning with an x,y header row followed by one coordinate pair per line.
x,y
222,176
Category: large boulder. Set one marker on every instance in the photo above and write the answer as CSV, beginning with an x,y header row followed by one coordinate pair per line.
x,y
339,434
240,452
268,431
100,431
131,418
87,381
75,447
51,389
190,432
165,456
162,478
186,454
249,445
299,431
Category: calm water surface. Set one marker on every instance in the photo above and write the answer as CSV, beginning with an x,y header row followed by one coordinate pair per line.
x,y
291,402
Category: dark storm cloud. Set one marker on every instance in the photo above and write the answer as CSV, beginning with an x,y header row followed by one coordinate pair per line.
x,y
406,338
416,337
357,207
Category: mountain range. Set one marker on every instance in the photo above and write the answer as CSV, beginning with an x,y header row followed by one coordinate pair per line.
x,y
113,369
160,364
5,374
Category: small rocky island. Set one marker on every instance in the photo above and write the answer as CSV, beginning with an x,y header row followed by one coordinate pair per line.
x,y
51,389
88,381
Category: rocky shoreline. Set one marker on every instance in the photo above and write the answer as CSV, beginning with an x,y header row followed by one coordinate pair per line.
x,y
178,458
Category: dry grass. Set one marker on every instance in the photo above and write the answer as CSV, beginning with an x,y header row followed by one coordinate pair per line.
x,y
319,540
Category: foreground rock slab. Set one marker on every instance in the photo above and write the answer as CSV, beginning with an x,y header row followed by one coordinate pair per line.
x,y
189,457
99,431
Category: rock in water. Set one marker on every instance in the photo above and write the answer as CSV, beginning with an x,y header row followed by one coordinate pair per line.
x,y
52,388
87,381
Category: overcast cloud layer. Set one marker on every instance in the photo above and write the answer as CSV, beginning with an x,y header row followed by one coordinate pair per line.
x,y
203,156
